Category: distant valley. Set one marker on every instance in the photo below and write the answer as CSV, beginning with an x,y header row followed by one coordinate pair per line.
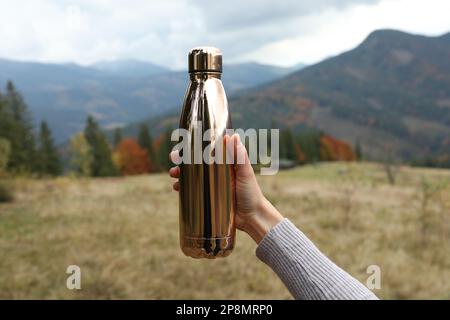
x,y
115,92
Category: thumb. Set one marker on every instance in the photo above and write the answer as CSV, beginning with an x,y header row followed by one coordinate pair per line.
x,y
240,157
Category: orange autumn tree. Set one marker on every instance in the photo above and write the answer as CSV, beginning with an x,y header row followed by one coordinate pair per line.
x,y
130,158
332,149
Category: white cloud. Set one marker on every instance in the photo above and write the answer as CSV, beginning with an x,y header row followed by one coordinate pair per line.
x,y
280,33
333,32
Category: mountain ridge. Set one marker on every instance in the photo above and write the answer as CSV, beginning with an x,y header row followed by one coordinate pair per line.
x,y
64,94
391,93
389,85
130,67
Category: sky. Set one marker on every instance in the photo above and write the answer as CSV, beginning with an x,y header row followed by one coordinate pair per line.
x,y
284,32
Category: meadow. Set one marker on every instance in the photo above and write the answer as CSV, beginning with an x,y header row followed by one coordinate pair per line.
x,y
123,233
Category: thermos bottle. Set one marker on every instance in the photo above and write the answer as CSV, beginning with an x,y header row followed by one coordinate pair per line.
x,y
207,193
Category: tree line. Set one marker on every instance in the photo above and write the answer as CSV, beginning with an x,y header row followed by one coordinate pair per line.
x,y
92,154
312,145
25,152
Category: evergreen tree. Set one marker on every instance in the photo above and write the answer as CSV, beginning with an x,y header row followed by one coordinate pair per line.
x,y
287,144
102,164
48,159
309,142
117,136
16,126
358,151
5,118
146,142
164,149
2,106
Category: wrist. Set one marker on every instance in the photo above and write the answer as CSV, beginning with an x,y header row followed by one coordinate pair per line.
x,y
265,218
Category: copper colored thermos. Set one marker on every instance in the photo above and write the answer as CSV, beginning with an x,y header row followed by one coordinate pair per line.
x,y
207,196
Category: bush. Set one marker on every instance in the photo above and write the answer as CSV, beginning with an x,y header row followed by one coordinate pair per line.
x,y
6,194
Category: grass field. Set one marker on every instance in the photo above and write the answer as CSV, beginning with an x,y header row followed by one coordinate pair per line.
x,y
123,233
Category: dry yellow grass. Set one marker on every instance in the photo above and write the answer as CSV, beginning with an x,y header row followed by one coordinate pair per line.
x,y
123,233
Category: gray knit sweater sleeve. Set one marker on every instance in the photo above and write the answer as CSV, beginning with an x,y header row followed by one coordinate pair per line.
x,y
307,272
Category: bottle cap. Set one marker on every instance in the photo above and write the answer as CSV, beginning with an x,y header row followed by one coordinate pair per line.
x,y
205,59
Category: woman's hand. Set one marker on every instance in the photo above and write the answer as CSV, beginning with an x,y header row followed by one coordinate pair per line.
x,y
254,213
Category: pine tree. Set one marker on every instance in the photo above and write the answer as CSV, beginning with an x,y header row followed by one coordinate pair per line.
x,y
102,164
16,126
309,142
287,144
145,141
48,159
5,118
117,136
2,106
165,148
358,151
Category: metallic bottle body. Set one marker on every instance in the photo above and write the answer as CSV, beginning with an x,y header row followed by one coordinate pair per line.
x,y
207,195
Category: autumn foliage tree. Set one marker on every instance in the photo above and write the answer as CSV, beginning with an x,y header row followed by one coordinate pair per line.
x,y
81,155
332,149
130,158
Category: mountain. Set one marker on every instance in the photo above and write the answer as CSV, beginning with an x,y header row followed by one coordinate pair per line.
x,y
116,92
64,94
240,76
130,68
392,92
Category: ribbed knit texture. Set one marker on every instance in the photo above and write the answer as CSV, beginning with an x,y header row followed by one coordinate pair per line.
x,y
305,271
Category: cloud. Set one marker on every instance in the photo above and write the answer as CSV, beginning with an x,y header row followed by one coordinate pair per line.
x,y
332,32
256,13
282,32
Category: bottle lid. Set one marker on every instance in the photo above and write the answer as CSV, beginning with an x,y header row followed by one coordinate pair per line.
x,y
205,59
